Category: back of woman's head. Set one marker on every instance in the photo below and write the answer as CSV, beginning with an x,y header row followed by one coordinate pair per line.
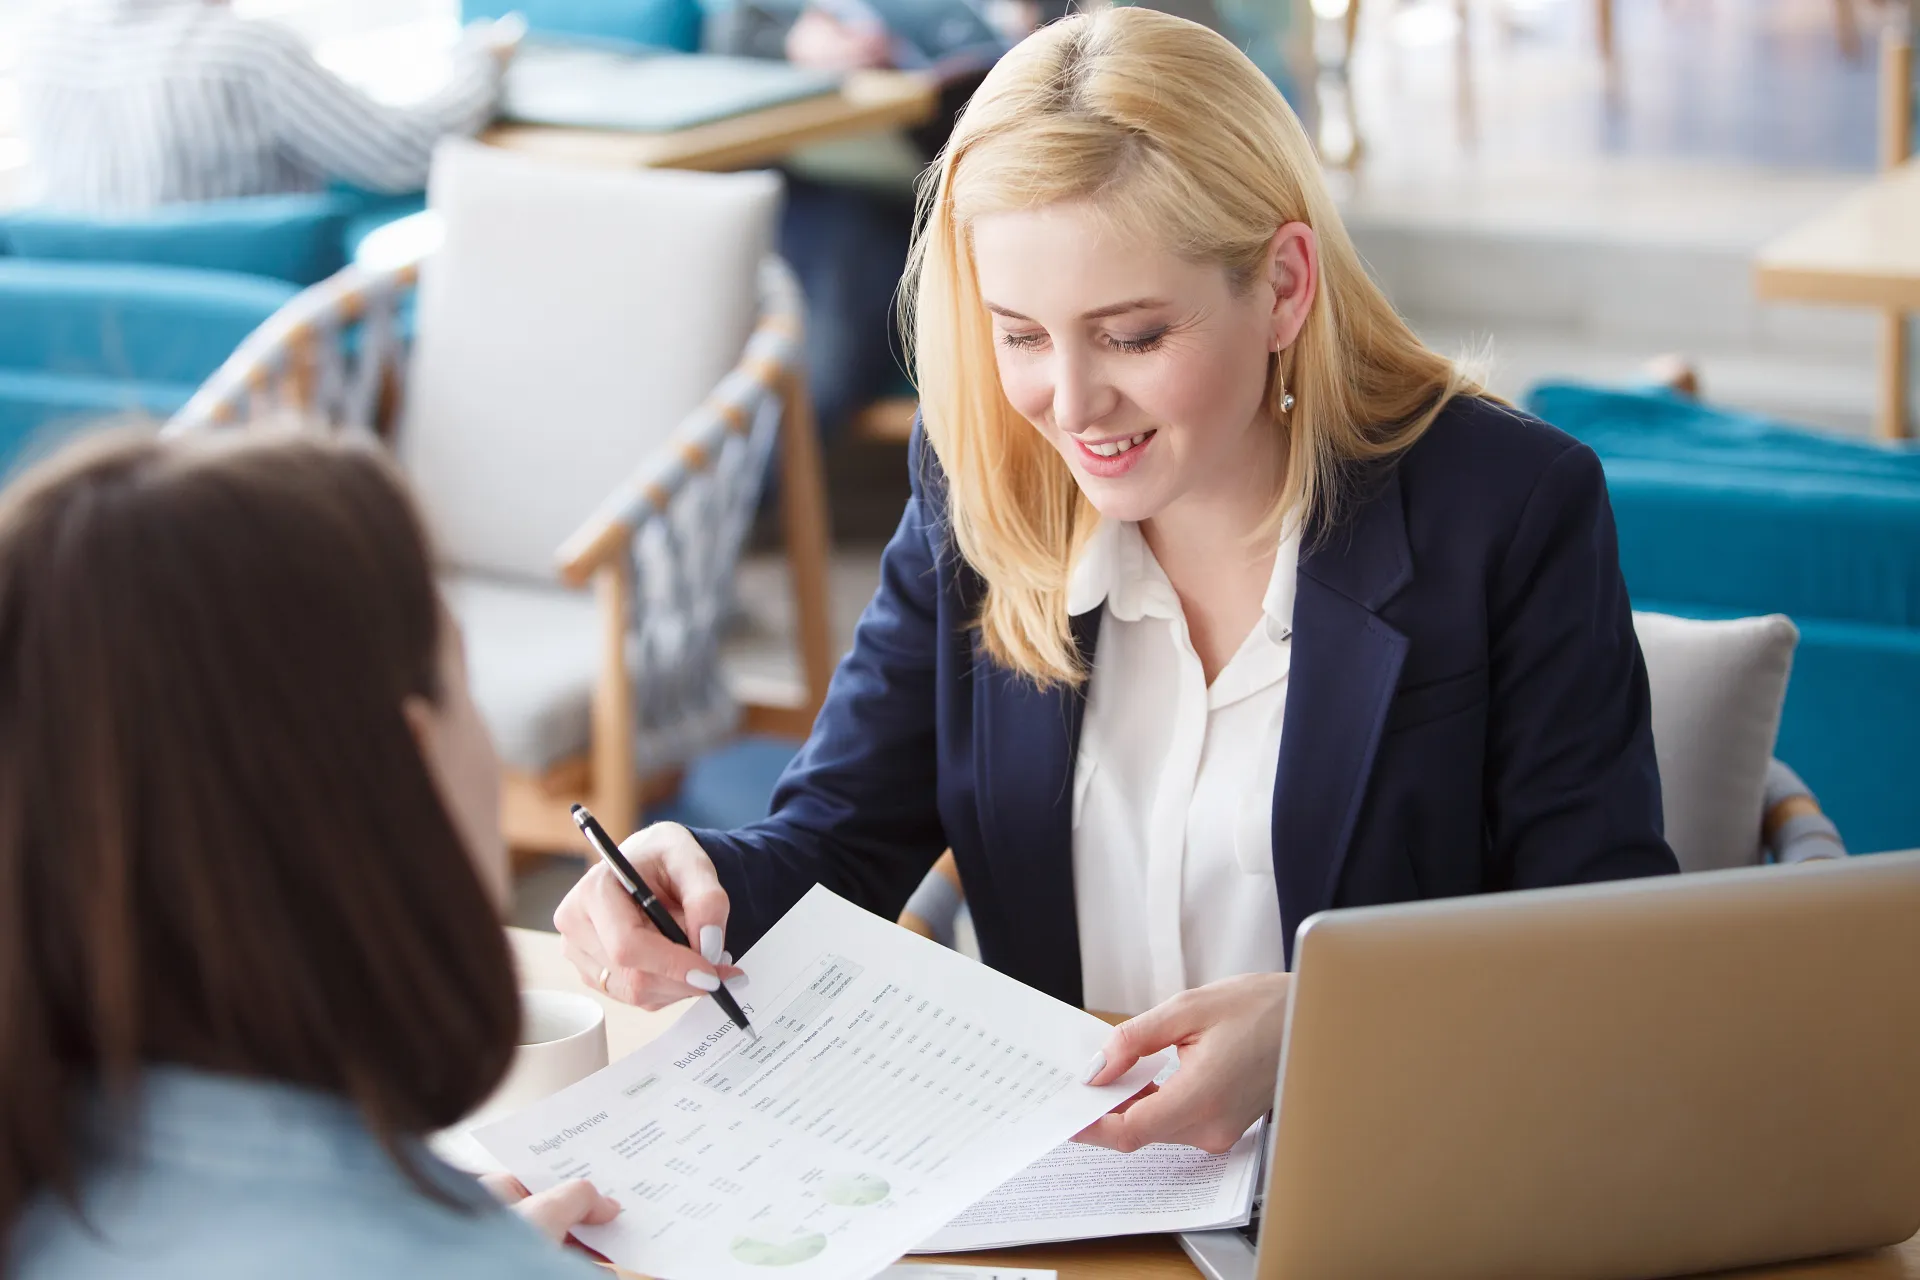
x,y
220,846
1174,138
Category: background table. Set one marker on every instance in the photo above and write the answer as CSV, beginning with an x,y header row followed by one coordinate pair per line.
x,y
1863,252
868,101
1129,1258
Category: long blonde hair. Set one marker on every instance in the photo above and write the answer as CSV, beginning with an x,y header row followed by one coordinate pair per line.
x,y
1165,126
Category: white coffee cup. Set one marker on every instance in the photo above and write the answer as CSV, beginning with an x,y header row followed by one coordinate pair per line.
x,y
563,1038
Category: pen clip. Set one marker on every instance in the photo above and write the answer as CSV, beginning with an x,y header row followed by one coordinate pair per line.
x,y
610,854
620,874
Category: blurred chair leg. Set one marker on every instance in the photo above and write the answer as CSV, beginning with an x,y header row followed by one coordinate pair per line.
x,y
1463,73
809,543
615,784
1890,416
1896,144
1608,44
803,502
1846,24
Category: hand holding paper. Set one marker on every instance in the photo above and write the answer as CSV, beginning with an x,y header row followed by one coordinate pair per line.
x,y
895,1083
1228,1034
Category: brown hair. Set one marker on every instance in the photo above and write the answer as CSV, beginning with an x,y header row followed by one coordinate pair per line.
x,y
220,846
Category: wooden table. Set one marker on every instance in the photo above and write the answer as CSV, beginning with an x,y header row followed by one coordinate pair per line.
x,y
1864,252
1127,1258
868,101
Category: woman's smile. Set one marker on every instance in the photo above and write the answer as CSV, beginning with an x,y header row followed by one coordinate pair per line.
x,y
1114,456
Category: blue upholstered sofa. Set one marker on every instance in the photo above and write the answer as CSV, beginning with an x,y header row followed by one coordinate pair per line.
x,y
104,317
1725,514
83,342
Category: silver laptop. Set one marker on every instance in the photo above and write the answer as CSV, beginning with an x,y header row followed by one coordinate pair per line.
x,y
1649,1078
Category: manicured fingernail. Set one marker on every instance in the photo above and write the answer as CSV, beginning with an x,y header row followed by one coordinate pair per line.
x,y
738,982
726,958
702,979
1094,1067
711,940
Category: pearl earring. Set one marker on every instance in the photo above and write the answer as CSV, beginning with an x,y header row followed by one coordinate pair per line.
x,y
1286,396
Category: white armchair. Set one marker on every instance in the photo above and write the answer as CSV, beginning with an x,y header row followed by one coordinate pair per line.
x,y
600,367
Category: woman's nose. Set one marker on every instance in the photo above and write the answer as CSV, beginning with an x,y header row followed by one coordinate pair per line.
x,y
1081,396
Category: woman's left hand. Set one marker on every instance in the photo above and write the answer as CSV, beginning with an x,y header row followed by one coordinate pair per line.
x,y
556,1211
1228,1034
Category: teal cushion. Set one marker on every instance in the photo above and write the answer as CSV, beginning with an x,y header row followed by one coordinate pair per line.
x,y
1725,514
39,410
664,24
297,238
1736,512
126,322
1661,426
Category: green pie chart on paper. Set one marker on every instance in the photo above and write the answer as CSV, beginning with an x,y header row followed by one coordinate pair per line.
x,y
767,1253
854,1189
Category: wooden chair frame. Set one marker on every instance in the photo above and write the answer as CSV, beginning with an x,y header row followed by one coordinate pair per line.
x,y
298,368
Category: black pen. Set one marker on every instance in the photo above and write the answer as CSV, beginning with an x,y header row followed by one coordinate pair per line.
x,y
643,896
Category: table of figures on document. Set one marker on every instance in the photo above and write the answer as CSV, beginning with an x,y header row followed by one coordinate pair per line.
x,y
871,1110
895,1081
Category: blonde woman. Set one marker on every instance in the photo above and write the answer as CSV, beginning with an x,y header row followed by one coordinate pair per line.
x,y
1219,601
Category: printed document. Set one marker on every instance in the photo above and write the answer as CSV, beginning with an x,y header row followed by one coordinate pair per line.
x,y
1077,1192
894,1084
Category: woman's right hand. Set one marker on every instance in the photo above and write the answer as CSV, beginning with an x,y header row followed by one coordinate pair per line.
x,y
617,949
555,1212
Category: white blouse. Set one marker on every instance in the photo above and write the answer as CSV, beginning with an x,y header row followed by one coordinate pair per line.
x,y
1173,786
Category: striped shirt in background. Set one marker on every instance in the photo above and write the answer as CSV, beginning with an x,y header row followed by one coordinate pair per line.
x,y
129,104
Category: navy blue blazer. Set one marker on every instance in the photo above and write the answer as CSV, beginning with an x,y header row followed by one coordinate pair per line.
x,y
1466,712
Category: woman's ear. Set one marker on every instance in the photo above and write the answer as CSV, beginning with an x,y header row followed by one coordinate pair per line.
x,y
1293,273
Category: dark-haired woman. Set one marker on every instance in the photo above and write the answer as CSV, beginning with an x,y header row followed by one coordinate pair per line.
x,y
250,947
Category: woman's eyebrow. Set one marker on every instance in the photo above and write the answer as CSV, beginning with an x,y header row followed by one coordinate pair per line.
x,y
1098,313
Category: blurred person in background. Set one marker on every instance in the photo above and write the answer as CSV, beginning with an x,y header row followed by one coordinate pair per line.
x,y
126,105
847,239
251,879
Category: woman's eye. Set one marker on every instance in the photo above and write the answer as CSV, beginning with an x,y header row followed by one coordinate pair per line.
x,y
1139,342
1020,341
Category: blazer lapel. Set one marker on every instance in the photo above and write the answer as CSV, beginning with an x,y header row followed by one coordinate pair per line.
x,y
1346,665
1025,745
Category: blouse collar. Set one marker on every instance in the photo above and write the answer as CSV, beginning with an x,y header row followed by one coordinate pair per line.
x,y
1117,568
